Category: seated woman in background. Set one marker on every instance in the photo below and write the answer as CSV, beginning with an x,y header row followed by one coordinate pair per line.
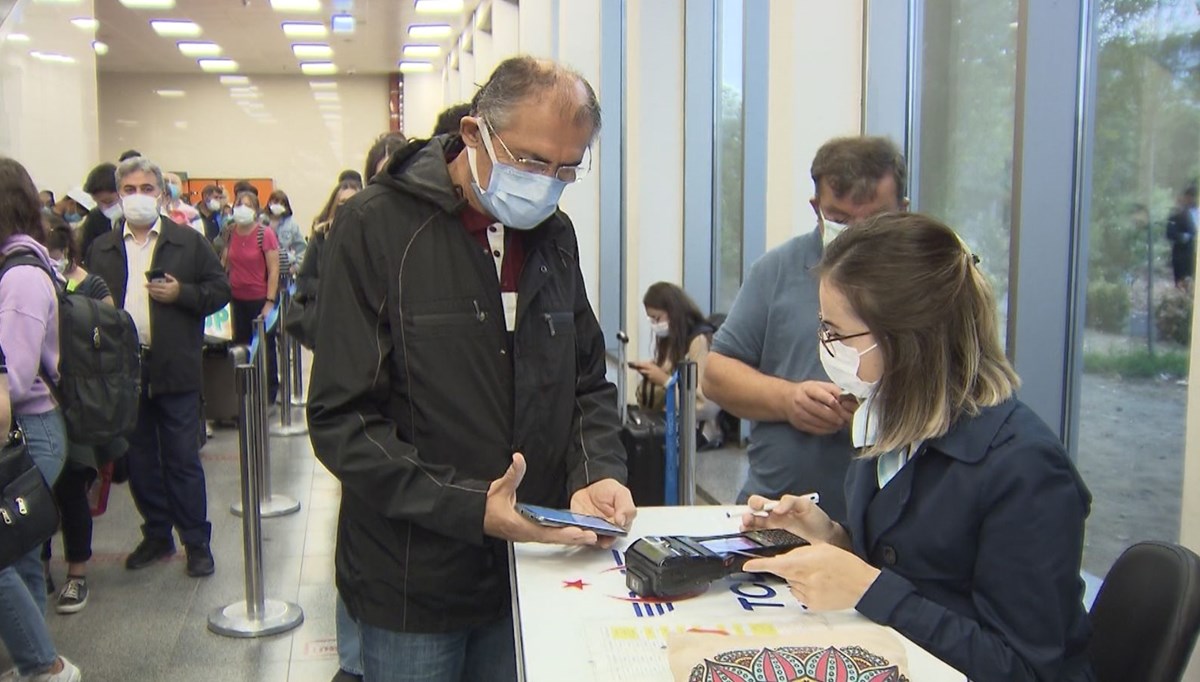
x,y
680,333
965,515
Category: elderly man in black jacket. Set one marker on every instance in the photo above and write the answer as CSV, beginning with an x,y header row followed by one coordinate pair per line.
x,y
460,368
169,279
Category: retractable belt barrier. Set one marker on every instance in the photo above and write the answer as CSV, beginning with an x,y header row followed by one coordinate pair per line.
x,y
255,616
287,359
254,425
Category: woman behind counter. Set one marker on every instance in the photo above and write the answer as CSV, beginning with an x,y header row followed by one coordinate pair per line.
x,y
965,515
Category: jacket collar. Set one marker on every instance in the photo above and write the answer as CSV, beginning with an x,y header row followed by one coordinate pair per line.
x,y
970,438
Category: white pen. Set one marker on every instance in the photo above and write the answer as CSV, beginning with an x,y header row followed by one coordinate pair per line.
x,y
815,498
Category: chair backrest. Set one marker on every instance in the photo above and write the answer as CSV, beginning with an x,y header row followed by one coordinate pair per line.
x,y
1146,615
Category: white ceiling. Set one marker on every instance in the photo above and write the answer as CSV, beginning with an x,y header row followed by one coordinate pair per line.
x,y
249,32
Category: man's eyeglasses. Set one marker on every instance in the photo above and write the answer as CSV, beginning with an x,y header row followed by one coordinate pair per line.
x,y
826,336
563,173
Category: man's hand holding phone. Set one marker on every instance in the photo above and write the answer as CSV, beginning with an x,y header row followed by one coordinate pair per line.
x,y
502,520
162,287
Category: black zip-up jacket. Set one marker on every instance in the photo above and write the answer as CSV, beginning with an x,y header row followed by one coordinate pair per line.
x,y
176,329
419,396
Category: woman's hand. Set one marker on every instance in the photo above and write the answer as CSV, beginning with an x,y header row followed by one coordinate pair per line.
x,y
799,516
267,308
653,373
821,577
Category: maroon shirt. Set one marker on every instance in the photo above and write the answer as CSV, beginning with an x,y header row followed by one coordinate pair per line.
x,y
480,227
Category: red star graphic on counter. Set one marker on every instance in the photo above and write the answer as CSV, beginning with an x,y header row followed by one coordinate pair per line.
x,y
576,584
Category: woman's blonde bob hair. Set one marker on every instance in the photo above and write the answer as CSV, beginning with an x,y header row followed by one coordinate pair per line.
x,y
931,310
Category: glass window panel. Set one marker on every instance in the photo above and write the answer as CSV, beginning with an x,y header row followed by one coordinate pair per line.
x,y
968,105
728,150
1145,152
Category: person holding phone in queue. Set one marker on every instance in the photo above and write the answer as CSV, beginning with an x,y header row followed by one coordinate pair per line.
x,y
965,516
168,278
460,368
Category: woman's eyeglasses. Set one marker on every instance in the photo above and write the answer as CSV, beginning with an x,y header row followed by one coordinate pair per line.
x,y
826,336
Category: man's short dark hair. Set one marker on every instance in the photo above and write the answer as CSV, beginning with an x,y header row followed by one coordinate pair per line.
x,y
102,178
128,154
449,120
350,174
209,190
384,145
519,78
853,166
244,186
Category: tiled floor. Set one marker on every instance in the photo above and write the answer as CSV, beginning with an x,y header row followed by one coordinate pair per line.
x,y
151,625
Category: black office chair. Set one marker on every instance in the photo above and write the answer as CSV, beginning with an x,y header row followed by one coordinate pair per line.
x,y
1147,614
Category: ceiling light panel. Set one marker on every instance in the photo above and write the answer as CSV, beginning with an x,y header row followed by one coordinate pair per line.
x,y
217,65
149,4
235,80
429,30
86,23
408,66
304,29
323,85
170,93
175,27
194,49
312,50
326,96
318,68
422,50
296,5
100,47
17,38
51,57
439,6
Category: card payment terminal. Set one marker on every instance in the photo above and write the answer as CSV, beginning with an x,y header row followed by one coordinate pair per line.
x,y
677,565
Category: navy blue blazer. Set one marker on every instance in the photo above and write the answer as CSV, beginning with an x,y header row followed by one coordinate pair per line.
x,y
980,539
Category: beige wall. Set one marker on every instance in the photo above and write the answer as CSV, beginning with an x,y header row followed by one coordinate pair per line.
x,y
815,94
48,110
423,97
206,134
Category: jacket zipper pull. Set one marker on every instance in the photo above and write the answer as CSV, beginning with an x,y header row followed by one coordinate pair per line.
x,y
479,314
550,322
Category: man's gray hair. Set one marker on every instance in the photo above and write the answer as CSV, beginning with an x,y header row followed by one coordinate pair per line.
x,y
140,164
519,78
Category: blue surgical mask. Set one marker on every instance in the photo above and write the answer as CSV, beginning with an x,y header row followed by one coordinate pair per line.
x,y
518,199
174,190
72,217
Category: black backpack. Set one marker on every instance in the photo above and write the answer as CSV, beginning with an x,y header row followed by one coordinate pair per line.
x,y
99,363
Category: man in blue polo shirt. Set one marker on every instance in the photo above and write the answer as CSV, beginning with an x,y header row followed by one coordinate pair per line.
x,y
764,364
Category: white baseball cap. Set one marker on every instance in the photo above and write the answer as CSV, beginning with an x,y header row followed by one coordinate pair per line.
x,y
82,198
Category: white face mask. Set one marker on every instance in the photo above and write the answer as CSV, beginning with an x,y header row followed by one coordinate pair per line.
x,y
62,265
660,329
214,205
243,215
831,231
277,209
842,369
140,209
113,213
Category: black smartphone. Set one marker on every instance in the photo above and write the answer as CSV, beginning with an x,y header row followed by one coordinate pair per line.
x,y
561,518
156,276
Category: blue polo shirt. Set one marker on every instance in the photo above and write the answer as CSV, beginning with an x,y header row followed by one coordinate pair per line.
x,y
773,328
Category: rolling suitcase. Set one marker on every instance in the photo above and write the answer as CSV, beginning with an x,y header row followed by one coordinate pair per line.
x,y
643,433
220,390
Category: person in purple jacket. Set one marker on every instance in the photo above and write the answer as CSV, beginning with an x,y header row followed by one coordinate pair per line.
x,y
29,337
